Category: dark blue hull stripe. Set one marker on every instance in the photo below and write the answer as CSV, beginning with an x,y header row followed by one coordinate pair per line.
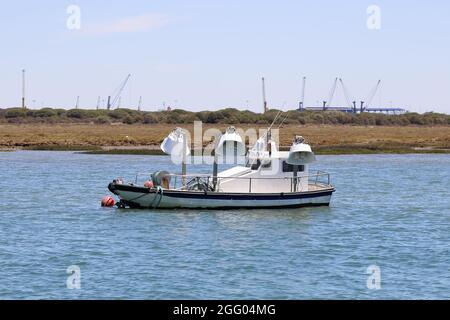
x,y
134,205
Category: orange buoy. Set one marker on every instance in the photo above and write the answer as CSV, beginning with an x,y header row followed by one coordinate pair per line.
x,y
149,184
108,201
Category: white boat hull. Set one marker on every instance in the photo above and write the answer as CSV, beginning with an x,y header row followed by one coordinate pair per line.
x,y
139,197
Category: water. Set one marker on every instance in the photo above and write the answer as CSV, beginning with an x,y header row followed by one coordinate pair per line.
x,y
392,211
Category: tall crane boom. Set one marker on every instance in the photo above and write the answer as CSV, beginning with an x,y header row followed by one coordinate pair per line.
x,y
346,94
116,94
372,94
332,91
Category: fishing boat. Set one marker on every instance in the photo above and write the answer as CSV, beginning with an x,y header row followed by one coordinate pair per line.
x,y
269,178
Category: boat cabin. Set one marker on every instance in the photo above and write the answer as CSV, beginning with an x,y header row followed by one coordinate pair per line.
x,y
268,170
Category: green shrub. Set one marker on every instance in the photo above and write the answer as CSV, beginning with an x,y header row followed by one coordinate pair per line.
x,y
44,113
132,119
102,120
120,114
149,118
78,114
15,113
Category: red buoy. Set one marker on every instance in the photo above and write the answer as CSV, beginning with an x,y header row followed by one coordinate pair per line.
x,y
148,184
108,202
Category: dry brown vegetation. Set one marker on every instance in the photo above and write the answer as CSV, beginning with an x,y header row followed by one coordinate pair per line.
x,y
324,138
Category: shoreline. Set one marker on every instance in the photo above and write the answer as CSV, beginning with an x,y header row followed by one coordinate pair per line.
x,y
155,150
145,139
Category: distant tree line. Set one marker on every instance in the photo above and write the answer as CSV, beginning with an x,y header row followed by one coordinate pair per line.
x,y
224,116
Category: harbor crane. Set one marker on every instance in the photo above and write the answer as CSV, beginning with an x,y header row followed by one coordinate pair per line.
x,y
351,104
370,97
331,95
117,93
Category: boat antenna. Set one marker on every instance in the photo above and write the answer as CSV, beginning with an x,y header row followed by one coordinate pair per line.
x,y
268,130
285,118
275,120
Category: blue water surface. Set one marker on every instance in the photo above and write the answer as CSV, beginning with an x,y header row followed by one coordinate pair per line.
x,y
391,211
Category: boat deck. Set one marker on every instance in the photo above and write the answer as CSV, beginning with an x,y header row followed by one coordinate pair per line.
x,y
318,187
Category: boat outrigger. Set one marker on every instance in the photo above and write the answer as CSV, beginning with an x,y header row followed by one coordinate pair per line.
x,y
269,179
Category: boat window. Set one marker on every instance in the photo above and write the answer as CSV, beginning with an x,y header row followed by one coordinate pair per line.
x,y
290,168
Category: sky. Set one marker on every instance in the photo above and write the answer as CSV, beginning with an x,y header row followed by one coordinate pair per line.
x,y
207,55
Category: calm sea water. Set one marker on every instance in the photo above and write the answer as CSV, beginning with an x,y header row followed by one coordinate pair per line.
x,y
392,211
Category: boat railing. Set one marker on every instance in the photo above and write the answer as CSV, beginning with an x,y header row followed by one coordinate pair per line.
x,y
320,179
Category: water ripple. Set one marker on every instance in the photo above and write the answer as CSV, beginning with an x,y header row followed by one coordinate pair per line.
x,y
389,210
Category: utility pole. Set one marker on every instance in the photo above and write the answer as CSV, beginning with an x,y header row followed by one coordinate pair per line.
x,y
301,105
98,102
118,103
78,102
140,103
23,89
264,95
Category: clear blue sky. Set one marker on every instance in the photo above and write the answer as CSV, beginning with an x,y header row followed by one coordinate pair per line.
x,y
212,54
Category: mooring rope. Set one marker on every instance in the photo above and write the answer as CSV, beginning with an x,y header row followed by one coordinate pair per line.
x,y
160,191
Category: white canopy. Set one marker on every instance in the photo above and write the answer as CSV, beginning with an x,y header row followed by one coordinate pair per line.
x,y
230,141
175,142
301,154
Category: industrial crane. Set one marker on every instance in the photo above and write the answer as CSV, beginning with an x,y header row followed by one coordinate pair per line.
x,y
370,96
347,96
117,93
331,95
